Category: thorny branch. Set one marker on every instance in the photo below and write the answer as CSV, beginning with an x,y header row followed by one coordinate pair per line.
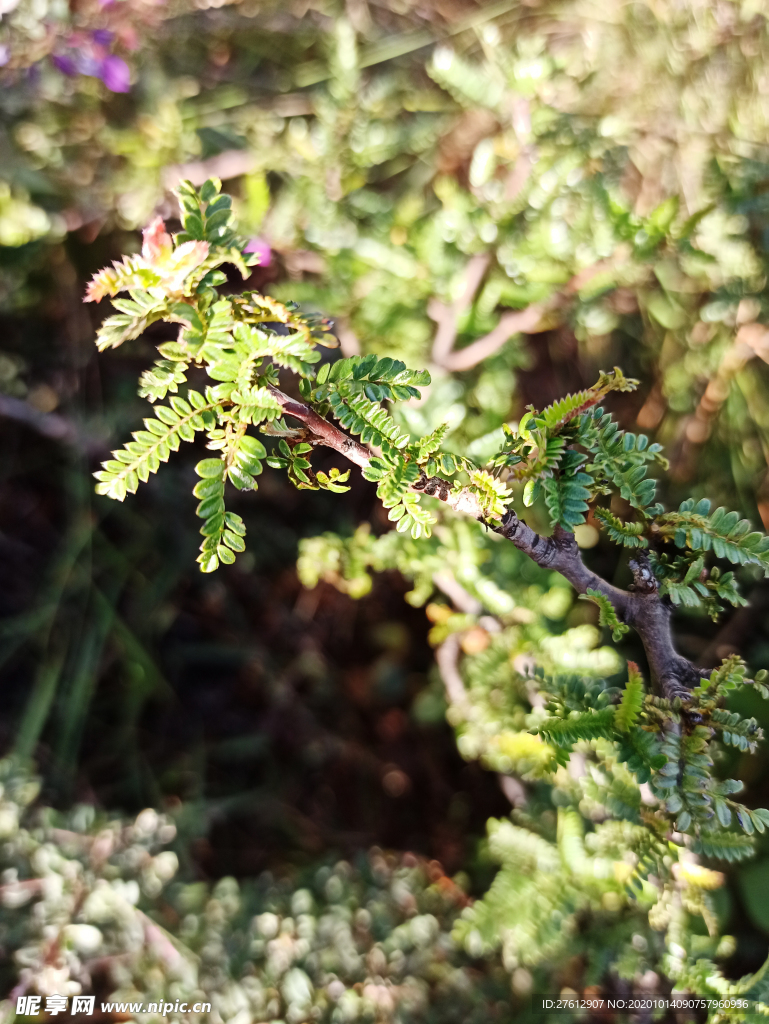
x,y
640,606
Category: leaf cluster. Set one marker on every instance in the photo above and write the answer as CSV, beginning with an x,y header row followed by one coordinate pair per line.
x,y
573,452
688,583
661,747
695,528
242,342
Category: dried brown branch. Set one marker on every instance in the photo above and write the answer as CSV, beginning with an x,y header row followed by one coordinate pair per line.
x,y
447,660
447,317
232,163
519,321
447,583
49,424
447,657
521,170
348,339
751,340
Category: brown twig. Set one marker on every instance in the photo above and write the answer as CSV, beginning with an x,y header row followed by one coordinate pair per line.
x,y
456,593
519,321
348,339
447,317
54,426
447,660
642,608
325,433
751,340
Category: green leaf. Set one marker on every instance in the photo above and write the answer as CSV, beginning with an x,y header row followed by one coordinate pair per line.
x,y
531,492
210,468
684,821
225,555
143,455
493,495
629,708
205,488
730,846
234,541
235,523
586,726
723,813
253,447
242,480
607,616
724,533
627,534
210,189
211,505
208,562
744,819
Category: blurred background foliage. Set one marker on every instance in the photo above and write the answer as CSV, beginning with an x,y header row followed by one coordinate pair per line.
x,y
514,194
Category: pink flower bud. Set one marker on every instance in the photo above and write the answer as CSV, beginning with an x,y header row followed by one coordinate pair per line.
x,y
260,246
156,242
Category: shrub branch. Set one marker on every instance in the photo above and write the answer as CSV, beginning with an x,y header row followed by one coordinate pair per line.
x,y
642,608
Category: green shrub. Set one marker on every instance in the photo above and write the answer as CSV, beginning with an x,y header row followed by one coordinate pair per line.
x,y
612,850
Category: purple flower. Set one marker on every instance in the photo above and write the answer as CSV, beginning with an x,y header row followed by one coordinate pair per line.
x,y
65,64
5,55
87,64
102,36
115,74
261,247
